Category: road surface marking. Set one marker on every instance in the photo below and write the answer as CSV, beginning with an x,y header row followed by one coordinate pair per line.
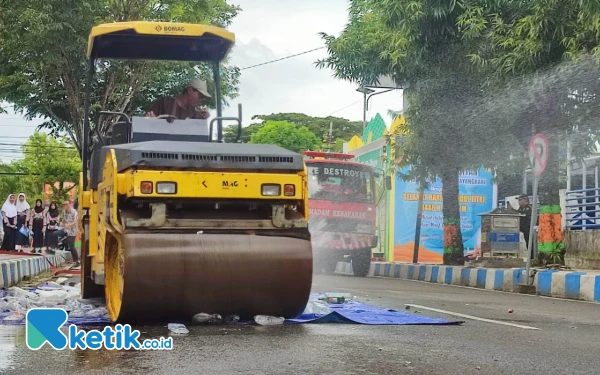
x,y
471,317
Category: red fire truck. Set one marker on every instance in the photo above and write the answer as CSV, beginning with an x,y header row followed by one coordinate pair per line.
x,y
342,210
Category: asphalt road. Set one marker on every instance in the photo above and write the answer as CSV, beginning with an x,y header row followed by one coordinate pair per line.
x,y
567,340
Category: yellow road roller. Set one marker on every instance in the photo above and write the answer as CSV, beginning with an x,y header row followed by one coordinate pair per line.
x,y
175,221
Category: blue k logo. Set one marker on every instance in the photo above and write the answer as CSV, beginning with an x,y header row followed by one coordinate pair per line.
x,y
43,325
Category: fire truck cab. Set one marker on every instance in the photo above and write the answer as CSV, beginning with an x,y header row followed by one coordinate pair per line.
x,y
342,210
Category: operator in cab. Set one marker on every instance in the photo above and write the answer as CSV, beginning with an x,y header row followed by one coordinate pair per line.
x,y
184,105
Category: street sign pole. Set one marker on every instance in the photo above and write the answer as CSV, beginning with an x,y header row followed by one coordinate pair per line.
x,y
538,156
534,209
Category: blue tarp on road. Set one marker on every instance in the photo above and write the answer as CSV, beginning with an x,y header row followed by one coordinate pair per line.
x,y
355,312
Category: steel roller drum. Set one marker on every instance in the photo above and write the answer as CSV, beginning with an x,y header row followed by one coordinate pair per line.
x,y
177,275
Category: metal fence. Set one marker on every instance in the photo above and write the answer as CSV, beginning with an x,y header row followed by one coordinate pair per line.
x,y
583,209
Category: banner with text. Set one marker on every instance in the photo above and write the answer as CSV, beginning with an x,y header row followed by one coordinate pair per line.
x,y
476,191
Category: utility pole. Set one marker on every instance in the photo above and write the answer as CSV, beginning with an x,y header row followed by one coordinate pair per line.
x,y
329,137
365,91
364,108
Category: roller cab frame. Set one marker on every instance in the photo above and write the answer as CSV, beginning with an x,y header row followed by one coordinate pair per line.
x,y
152,178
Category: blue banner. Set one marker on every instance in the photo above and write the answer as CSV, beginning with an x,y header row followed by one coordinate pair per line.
x,y
476,194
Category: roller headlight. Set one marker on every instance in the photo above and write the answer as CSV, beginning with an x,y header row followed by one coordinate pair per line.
x,y
166,187
271,190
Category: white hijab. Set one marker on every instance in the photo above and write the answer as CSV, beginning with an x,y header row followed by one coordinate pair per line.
x,y
9,209
22,206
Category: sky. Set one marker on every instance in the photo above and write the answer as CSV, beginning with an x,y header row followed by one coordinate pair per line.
x,y
267,30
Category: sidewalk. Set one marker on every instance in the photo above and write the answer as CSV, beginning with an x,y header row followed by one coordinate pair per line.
x,y
13,267
579,285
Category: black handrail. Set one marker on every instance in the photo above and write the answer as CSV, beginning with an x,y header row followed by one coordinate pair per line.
x,y
236,119
120,114
108,113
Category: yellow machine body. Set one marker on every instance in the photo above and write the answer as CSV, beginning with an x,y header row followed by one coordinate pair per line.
x,y
168,233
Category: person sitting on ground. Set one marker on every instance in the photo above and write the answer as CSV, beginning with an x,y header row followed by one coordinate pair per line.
x,y
70,228
184,105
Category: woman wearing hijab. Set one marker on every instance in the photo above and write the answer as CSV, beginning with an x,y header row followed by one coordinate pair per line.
x,y
52,220
9,218
22,221
38,226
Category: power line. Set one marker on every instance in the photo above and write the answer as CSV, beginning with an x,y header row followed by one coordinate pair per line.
x,y
20,126
16,153
349,105
18,174
2,117
283,58
38,152
34,146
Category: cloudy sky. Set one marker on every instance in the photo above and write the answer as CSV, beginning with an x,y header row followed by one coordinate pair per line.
x,y
267,30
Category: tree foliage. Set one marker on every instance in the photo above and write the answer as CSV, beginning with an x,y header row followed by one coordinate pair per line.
x,y
343,129
286,135
481,76
10,180
43,58
543,55
419,44
46,161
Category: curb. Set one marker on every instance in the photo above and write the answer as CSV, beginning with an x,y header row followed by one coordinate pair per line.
x,y
12,271
560,284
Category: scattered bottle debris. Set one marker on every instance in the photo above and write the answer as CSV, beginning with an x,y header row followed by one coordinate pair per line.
x,y
229,319
317,307
204,318
177,328
97,313
14,318
334,299
266,320
50,285
346,296
49,294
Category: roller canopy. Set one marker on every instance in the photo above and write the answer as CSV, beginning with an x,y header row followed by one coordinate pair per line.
x,y
159,41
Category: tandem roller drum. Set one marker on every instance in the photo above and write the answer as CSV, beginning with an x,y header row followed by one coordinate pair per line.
x,y
160,276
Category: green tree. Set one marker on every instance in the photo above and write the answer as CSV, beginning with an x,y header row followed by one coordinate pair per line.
x,y
46,161
43,58
343,129
11,180
545,55
419,44
230,132
286,135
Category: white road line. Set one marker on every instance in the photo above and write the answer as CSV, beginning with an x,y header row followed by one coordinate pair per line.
x,y
471,317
